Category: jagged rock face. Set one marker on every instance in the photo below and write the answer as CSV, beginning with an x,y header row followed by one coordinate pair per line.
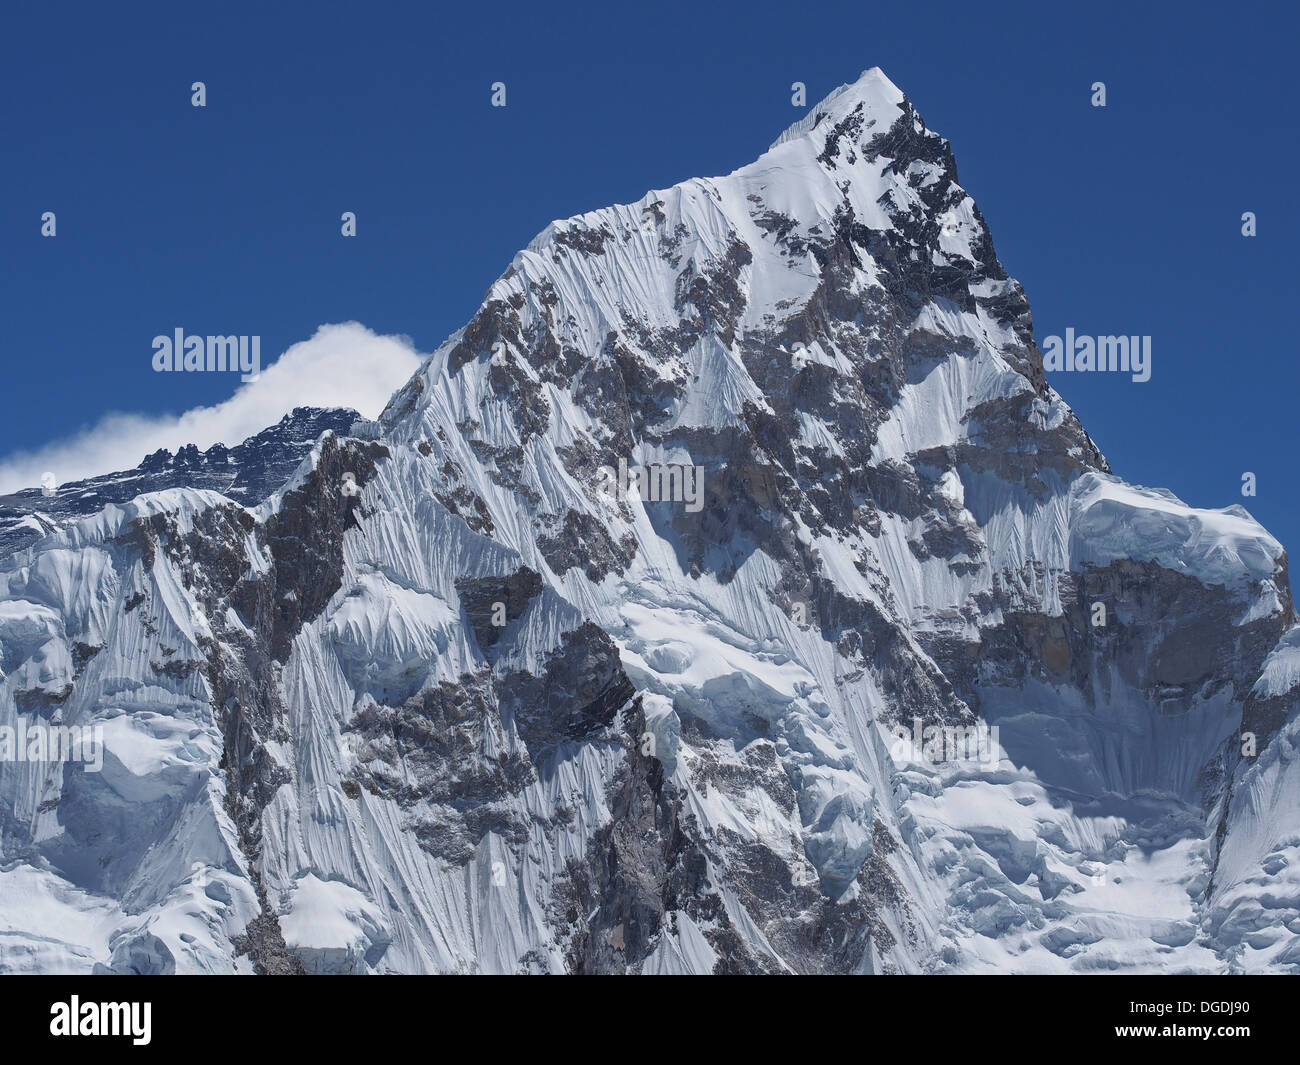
x,y
246,473
450,699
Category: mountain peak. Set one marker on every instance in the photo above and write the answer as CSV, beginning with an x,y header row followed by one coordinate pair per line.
x,y
873,92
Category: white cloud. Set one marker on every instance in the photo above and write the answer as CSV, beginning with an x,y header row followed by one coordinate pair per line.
x,y
343,365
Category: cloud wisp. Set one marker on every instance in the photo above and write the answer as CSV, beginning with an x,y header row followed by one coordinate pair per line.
x,y
343,365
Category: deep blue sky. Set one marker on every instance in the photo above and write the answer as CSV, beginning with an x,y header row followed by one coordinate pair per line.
x,y
1122,220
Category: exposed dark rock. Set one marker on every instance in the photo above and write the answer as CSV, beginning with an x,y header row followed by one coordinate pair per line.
x,y
583,542
479,597
576,697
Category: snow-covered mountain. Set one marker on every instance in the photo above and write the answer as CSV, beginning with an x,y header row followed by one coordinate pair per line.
x,y
449,700
247,473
